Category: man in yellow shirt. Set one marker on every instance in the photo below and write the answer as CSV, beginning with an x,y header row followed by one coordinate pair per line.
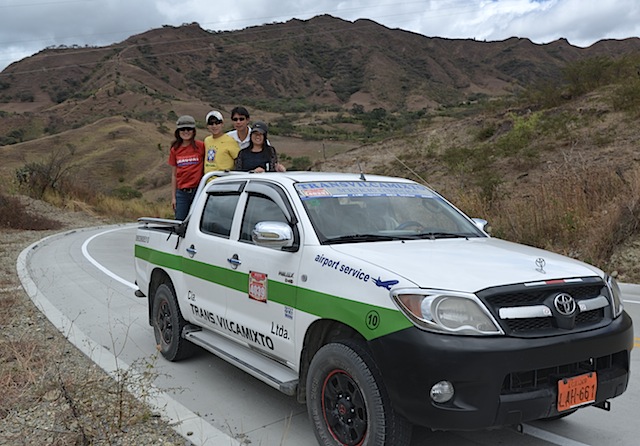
x,y
220,149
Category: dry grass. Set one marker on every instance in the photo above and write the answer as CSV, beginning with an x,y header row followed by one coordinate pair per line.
x,y
111,207
50,393
14,216
582,212
133,209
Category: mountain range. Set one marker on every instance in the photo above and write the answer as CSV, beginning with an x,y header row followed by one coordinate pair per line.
x,y
104,104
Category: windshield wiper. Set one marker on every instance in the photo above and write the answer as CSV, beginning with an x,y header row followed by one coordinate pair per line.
x,y
436,235
355,238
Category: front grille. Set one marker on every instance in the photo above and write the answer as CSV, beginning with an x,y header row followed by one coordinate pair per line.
x,y
588,317
511,298
539,324
529,324
531,380
542,293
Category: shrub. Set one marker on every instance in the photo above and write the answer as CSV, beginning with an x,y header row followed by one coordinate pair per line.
x,y
301,163
523,131
586,75
14,216
626,96
50,174
126,193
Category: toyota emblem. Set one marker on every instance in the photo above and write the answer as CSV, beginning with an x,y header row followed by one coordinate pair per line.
x,y
565,304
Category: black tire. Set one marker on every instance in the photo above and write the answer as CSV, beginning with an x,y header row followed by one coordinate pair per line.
x,y
168,324
347,402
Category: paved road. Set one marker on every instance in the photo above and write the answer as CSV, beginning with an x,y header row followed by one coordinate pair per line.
x,y
82,280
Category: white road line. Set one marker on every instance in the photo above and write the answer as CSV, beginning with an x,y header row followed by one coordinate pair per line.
x,y
94,262
186,423
550,437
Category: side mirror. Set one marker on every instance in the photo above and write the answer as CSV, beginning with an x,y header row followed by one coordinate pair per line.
x,y
272,234
482,224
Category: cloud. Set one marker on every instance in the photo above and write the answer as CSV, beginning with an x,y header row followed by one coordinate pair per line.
x,y
28,26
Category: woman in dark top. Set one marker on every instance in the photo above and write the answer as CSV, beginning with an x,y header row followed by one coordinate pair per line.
x,y
260,156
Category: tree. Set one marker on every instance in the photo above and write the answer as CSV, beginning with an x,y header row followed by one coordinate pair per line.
x,y
39,177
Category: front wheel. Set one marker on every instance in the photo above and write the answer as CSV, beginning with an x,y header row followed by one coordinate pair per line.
x,y
347,402
168,324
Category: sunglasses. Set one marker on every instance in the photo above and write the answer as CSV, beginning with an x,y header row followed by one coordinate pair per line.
x,y
185,129
215,122
239,119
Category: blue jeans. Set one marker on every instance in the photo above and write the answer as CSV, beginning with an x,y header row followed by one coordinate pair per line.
x,y
183,203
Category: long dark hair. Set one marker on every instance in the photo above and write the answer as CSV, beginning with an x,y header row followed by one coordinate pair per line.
x,y
265,145
178,140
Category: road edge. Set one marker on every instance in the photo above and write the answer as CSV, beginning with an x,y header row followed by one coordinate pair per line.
x,y
182,420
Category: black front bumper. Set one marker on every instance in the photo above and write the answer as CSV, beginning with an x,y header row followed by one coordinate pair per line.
x,y
498,381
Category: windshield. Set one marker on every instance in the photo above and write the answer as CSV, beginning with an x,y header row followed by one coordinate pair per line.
x,y
361,211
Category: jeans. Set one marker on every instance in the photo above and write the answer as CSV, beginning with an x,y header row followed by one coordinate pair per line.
x,y
183,203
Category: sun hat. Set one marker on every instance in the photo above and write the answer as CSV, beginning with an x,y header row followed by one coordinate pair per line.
x,y
186,122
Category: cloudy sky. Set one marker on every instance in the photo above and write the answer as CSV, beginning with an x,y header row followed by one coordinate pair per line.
x,y
28,26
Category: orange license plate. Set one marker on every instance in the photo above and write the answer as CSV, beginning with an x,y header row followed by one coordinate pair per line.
x,y
577,391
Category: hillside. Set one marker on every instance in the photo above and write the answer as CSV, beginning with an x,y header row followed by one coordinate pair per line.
x,y
322,62
325,85
565,178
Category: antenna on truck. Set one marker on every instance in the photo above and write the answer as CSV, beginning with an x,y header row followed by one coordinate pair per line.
x,y
361,172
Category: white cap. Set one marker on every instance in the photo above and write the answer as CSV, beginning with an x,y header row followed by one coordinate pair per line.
x,y
215,114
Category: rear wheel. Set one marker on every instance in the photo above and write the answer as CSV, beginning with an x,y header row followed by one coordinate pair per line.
x,y
168,324
347,402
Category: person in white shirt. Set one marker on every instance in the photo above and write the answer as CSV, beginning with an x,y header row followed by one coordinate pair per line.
x,y
241,129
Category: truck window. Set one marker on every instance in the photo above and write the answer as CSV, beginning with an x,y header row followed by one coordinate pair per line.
x,y
259,208
218,214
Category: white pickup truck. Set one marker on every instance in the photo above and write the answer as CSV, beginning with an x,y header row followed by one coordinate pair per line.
x,y
381,306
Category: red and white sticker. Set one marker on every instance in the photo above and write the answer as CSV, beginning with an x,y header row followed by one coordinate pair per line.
x,y
258,286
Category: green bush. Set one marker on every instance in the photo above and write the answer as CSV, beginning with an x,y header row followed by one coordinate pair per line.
x,y
586,75
301,163
520,136
126,193
626,96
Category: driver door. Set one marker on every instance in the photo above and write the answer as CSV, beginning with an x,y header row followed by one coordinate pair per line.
x,y
262,308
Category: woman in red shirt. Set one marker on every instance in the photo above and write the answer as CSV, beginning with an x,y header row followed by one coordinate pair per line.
x,y
186,159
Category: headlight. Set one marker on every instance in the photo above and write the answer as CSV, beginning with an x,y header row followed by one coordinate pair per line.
x,y
446,312
616,296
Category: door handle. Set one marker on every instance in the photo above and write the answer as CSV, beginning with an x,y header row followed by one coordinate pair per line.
x,y
234,261
191,250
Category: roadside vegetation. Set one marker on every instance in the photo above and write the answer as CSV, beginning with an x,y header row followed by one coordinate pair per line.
x,y
545,167
55,180
50,393
13,215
